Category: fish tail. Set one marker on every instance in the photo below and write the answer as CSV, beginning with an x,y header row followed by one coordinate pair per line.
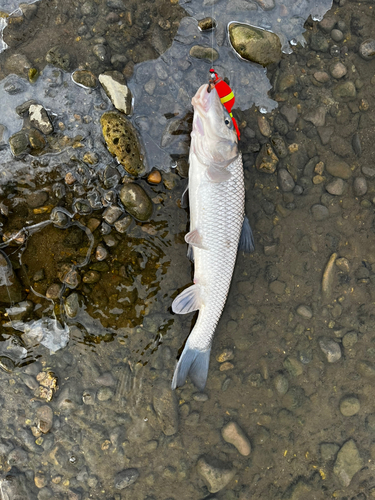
x,y
194,363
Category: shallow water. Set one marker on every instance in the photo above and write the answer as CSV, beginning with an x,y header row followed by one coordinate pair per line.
x,y
94,340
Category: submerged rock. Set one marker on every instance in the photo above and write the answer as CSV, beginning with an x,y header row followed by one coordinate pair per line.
x,y
254,44
215,474
122,141
39,119
201,52
84,78
348,462
136,201
165,406
19,143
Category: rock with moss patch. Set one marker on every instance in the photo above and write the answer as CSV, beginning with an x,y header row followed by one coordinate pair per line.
x,y
122,141
254,44
84,78
58,57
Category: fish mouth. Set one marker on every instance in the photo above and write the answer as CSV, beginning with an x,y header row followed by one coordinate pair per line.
x,y
202,100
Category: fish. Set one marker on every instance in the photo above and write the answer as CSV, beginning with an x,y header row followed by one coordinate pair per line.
x,y
218,228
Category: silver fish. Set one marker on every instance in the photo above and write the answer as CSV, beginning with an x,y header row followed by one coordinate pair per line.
x,y
217,216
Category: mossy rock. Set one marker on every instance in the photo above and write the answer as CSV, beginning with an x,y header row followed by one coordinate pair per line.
x,y
121,139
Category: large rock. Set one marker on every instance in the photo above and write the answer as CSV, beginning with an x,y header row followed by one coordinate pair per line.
x,y
254,44
122,141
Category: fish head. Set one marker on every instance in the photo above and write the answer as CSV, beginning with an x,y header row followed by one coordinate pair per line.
x,y
214,139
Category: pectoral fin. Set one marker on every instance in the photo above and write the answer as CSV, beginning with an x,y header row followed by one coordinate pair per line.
x,y
246,243
188,301
194,239
218,174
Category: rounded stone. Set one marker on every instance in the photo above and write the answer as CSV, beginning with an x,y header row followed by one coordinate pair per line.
x,y
203,52
285,180
336,187
349,339
281,384
104,394
367,49
233,434
125,478
338,70
304,311
319,212
360,186
136,201
44,418
337,35
331,349
339,168
349,406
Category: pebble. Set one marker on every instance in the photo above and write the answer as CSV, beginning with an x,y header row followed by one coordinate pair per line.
x,y
226,366
293,366
317,116
233,434
285,180
204,52
367,49
349,339
281,384
226,355
57,57
115,87
356,144
104,394
84,78
215,476
345,90
348,462
321,76
360,186
136,201
366,369
350,406
343,264
88,397
319,212
337,35
53,291
294,398
125,478
336,187
338,70
154,177
266,160
19,143
101,253
331,349
277,287
44,418
123,224
264,126
111,214
304,311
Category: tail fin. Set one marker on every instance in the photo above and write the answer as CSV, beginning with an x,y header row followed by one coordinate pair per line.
x,y
194,363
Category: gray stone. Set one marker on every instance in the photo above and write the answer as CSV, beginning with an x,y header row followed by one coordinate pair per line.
x,y
360,186
84,78
36,199
19,143
125,478
328,451
349,406
304,311
337,35
346,91
338,70
44,418
339,168
293,366
104,394
317,116
281,384
368,171
256,45
123,224
58,57
325,134
336,187
331,349
290,113
111,214
204,52
349,339
367,49
285,180
348,463
136,201
215,474
319,42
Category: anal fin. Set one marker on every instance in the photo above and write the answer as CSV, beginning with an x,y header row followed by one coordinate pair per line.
x,y
188,301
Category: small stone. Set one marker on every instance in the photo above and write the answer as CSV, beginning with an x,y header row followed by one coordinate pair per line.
x,y
226,355
319,212
304,311
281,384
343,264
290,113
125,478
336,187
293,366
154,177
136,201
116,89
40,480
19,143
360,186
328,451
70,179
331,349
277,287
72,305
346,91
44,418
266,160
264,126
338,70
367,49
317,116
39,119
101,253
366,369
88,397
321,76
350,406
348,462
53,291
233,434
337,35
215,474
349,339
104,394
285,180
36,199
123,224
111,214
226,366
84,78
208,23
